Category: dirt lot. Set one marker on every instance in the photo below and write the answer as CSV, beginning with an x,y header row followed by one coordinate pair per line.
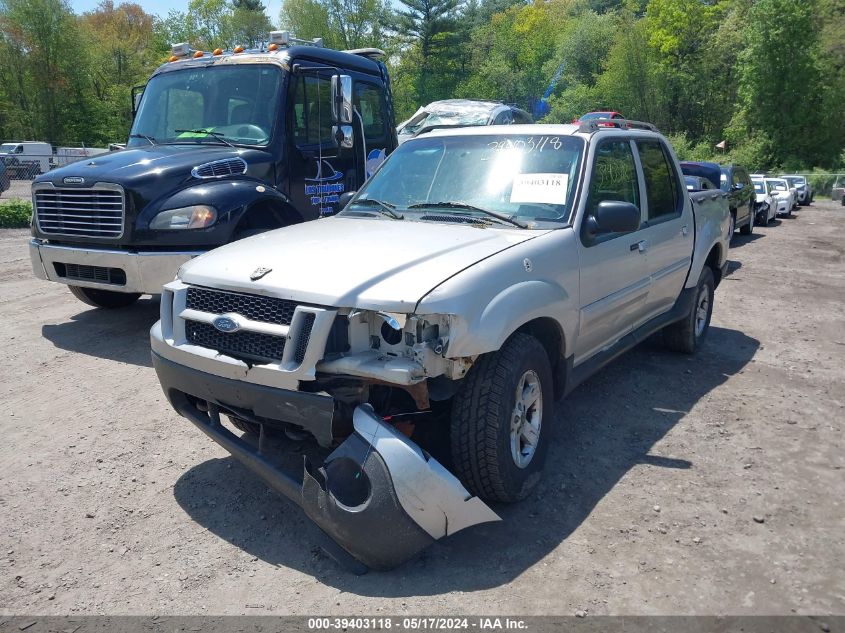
x,y
706,485
18,189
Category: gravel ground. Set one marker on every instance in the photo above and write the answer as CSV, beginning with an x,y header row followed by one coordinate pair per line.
x,y
18,189
674,485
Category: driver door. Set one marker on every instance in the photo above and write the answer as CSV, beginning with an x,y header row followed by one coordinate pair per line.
x,y
613,268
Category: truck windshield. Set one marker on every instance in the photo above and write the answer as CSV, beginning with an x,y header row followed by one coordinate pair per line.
x,y
527,178
236,103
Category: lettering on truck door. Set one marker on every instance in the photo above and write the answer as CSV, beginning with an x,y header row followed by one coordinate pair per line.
x,y
614,276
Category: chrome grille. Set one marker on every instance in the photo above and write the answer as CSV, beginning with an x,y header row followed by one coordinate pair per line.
x,y
220,168
243,345
94,212
253,307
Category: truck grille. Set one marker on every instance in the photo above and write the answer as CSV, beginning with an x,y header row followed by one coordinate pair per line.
x,y
80,212
243,345
253,307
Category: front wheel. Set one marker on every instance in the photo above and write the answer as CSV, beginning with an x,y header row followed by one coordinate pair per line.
x,y
104,298
500,421
732,227
748,229
687,335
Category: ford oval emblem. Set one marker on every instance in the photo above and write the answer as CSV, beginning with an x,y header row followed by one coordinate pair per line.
x,y
226,324
73,180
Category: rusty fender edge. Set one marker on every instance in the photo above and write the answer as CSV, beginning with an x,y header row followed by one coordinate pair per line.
x,y
378,497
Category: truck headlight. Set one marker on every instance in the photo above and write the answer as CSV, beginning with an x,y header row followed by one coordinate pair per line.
x,y
198,216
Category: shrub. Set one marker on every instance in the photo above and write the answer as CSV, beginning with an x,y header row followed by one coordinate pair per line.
x,y
15,214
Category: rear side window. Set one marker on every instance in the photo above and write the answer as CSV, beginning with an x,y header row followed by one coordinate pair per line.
x,y
369,102
660,181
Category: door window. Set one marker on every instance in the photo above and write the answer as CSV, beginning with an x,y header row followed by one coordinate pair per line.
x,y
614,178
660,181
312,110
368,100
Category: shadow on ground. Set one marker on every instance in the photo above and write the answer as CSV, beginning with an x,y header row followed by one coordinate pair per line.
x,y
121,334
604,428
739,240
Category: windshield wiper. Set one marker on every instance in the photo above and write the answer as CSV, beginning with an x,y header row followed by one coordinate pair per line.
x,y
385,208
218,135
150,139
468,207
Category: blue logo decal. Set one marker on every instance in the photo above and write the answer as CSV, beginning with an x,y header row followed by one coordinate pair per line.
x,y
226,324
325,188
374,159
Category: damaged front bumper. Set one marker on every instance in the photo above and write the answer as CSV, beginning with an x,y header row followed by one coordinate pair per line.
x,y
378,496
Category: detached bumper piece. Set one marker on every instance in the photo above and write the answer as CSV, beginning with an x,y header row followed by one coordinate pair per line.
x,y
378,497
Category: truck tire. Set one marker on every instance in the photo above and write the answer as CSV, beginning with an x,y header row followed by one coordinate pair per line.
x,y
686,335
501,418
104,298
732,227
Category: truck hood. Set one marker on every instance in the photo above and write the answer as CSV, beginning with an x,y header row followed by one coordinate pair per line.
x,y
373,264
137,166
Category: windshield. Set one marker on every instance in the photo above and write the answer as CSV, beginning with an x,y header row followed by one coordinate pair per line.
x,y
448,119
235,103
595,115
793,181
759,187
8,148
777,185
527,178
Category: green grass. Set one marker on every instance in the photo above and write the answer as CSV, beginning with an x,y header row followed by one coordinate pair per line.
x,y
15,214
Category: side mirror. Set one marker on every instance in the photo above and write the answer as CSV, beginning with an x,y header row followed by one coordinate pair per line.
x,y
342,99
342,135
344,199
737,186
137,93
614,216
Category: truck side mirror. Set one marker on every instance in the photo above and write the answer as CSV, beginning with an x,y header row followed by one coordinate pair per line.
x,y
342,135
344,199
137,93
342,99
614,216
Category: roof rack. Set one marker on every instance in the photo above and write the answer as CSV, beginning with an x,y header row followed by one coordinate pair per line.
x,y
597,125
284,38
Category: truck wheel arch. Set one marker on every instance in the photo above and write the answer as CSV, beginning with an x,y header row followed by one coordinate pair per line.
x,y
265,214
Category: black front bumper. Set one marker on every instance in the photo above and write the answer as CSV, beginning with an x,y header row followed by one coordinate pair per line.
x,y
313,412
354,497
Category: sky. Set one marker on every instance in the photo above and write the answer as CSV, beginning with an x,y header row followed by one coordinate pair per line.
x,y
161,7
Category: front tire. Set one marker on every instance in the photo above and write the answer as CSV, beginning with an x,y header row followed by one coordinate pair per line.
x,y
104,298
748,229
687,335
501,419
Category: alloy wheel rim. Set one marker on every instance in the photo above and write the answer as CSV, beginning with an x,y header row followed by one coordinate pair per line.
x,y
526,419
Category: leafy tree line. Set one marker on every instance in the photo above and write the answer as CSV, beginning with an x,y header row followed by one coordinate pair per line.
x,y
765,76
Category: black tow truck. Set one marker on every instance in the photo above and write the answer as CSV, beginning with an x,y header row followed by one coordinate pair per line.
x,y
223,145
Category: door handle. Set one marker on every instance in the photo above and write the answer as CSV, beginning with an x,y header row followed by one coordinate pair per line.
x,y
641,246
684,230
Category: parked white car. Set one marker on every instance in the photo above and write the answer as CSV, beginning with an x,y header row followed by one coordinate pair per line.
x,y
785,197
767,208
802,187
481,273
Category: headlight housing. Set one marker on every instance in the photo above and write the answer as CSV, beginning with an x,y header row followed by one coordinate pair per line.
x,y
198,216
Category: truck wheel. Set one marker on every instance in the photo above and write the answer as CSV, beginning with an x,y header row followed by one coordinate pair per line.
x,y
687,334
500,421
104,298
748,228
732,227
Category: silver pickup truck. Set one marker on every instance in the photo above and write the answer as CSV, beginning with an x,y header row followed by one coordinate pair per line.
x,y
475,279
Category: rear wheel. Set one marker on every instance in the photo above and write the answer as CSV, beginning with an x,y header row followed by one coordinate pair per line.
x,y
500,421
104,298
686,335
732,227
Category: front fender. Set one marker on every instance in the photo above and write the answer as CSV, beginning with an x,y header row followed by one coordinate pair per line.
x,y
518,304
232,198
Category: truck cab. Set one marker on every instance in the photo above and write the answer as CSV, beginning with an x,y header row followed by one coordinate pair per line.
x,y
223,145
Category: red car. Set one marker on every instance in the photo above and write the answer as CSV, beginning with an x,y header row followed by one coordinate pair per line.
x,y
603,114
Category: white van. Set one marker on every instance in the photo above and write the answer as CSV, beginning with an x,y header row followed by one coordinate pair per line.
x,y
26,159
